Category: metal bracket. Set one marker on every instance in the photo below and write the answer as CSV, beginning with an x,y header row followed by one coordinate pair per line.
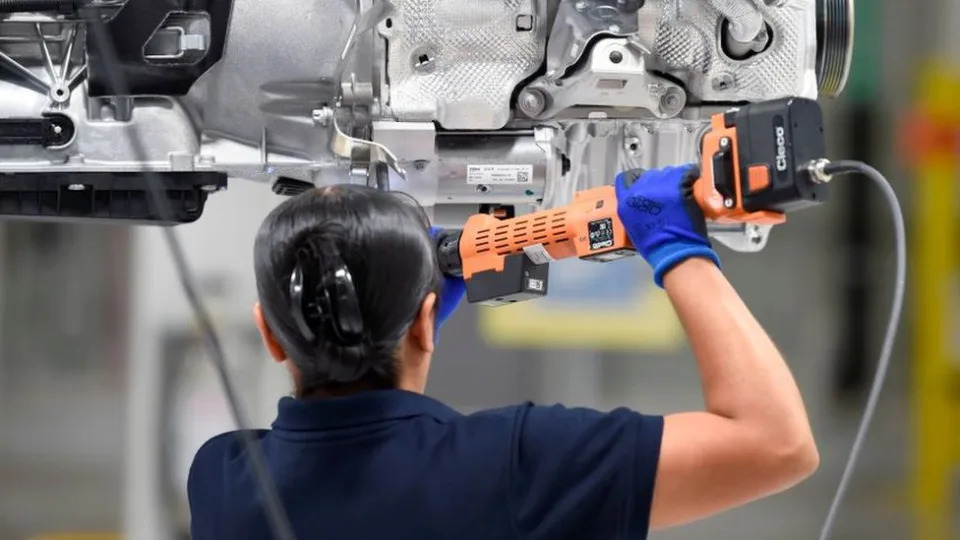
x,y
362,151
615,75
578,22
742,238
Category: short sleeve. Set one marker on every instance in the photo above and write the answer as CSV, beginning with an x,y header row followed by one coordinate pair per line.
x,y
580,473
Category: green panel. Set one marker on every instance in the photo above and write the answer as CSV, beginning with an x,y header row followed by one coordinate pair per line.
x,y
865,73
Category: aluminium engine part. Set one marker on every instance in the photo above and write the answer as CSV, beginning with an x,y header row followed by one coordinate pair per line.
x,y
442,92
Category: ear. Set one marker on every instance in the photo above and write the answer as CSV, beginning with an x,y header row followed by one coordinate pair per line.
x,y
274,348
420,336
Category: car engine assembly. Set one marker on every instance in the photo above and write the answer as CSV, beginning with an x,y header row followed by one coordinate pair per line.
x,y
502,105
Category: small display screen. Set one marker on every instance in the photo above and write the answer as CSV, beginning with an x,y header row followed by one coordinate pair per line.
x,y
601,234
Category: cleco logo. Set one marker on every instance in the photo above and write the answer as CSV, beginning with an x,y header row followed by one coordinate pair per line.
x,y
602,244
780,135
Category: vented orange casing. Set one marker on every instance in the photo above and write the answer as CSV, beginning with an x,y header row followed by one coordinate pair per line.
x,y
562,232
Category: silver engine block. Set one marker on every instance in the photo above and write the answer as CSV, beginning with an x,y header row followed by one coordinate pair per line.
x,y
464,104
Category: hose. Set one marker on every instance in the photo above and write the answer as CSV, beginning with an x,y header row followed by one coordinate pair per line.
x,y
886,352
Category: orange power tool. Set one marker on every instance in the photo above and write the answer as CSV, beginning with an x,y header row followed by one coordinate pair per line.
x,y
756,166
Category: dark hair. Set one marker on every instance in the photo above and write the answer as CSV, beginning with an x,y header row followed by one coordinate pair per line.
x,y
384,241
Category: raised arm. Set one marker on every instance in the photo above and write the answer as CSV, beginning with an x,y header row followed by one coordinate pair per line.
x,y
754,438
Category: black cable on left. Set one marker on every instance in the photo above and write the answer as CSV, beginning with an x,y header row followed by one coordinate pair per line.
x,y
273,505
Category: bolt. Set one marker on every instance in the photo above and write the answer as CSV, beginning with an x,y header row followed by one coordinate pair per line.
x,y
725,142
672,101
616,57
581,6
57,129
482,188
532,102
728,203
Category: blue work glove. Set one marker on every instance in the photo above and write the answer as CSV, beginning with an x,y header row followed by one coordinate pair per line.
x,y
454,289
662,218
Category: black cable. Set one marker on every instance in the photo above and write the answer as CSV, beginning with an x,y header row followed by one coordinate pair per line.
x,y
886,352
276,515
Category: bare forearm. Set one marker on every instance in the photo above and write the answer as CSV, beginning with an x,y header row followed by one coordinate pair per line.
x,y
744,377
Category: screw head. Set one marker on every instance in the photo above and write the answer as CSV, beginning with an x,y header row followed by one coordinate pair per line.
x,y
728,203
724,82
725,142
672,101
424,59
532,101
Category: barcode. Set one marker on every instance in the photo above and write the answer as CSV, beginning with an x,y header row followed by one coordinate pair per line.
x,y
523,177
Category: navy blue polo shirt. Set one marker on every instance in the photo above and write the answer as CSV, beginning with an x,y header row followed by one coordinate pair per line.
x,y
398,465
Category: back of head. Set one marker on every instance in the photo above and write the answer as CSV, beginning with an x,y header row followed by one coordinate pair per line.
x,y
381,242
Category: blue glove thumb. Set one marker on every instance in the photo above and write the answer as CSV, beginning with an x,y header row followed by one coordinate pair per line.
x,y
454,289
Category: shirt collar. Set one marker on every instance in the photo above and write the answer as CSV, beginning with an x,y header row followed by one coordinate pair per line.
x,y
362,408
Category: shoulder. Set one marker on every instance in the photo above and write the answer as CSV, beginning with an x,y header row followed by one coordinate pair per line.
x,y
214,455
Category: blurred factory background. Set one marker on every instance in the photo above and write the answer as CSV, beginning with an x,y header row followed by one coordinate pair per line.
x,y
105,394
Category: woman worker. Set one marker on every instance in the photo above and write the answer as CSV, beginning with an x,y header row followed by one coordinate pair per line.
x,y
351,301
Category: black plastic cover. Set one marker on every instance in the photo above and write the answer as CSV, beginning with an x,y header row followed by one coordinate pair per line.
x,y
521,279
785,135
100,196
132,28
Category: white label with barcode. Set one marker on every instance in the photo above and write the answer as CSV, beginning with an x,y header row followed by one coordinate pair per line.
x,y
500,174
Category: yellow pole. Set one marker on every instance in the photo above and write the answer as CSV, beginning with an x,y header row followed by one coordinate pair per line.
x,y
934,278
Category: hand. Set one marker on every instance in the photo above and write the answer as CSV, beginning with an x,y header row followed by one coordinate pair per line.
x,y
454,289
662,218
